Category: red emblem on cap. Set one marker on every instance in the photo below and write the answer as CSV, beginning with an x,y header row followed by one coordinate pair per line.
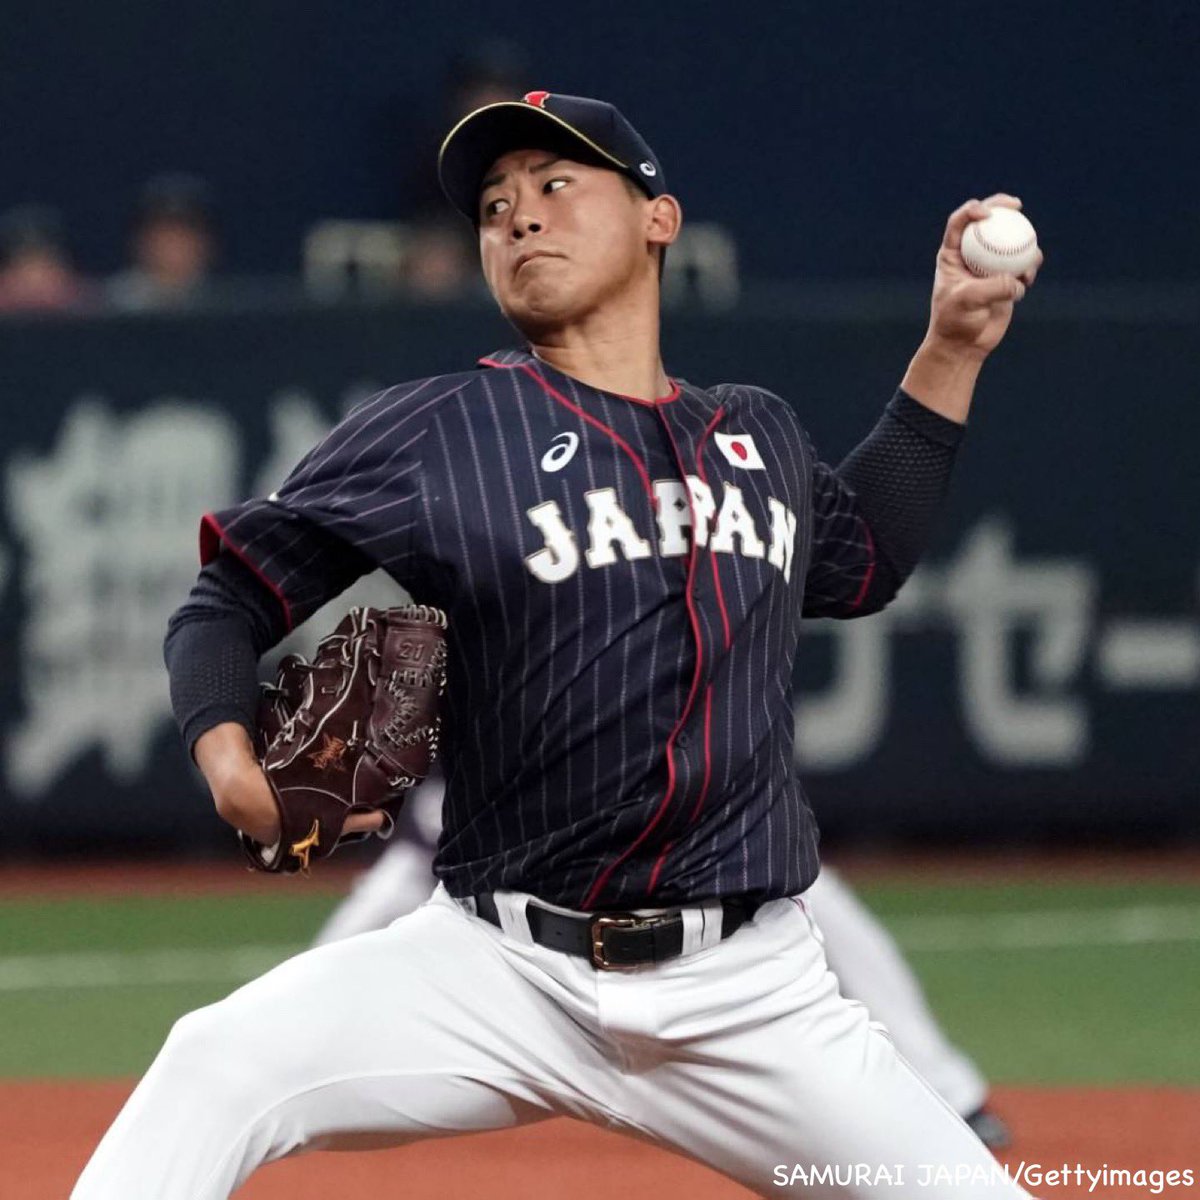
x,y
537,99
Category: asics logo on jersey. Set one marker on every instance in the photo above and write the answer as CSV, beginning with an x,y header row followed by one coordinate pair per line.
x,y
730,529
562,450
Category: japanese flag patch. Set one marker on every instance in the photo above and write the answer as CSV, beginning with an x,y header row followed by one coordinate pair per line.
x,y
740,450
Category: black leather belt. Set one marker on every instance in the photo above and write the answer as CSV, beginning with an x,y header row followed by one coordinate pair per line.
x,y
615,941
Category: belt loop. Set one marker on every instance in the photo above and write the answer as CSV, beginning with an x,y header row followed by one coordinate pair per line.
x,y
513,919
701,926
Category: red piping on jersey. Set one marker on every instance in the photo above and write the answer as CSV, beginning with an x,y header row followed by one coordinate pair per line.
x,y
673,394
866,583
211,537
665,804
712,557
658,866
612,433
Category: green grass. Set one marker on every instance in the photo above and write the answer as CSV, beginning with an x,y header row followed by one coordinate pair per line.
x,y
895,899
130,922
94,1034
116,1030
1064,1013
1088,1015
1081,1014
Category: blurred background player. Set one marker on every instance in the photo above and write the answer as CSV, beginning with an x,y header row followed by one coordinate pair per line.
x,y
441,258
36,271
173,247
861,953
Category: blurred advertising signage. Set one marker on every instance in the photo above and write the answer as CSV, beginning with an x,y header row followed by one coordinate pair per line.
x,y
1031,650
103,528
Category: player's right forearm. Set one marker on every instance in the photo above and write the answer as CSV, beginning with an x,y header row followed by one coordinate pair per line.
x,y
241,794
213,671
213,645
224,753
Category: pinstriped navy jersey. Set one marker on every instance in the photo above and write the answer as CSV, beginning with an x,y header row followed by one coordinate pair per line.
x,y
624,582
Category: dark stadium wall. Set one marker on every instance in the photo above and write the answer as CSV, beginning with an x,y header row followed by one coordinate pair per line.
x,y
832,139
1038,678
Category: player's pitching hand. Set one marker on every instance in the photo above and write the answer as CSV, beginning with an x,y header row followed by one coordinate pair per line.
x,y
968,314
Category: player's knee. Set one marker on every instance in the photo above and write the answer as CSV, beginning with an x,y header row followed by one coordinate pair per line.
x,y
207,1048
197,1040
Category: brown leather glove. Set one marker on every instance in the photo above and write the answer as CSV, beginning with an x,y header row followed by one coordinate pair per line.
x,y
351,731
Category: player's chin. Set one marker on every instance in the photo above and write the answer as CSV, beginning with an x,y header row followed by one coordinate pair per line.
x,y
537,310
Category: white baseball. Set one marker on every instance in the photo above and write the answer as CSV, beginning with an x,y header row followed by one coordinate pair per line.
x,y
1003,243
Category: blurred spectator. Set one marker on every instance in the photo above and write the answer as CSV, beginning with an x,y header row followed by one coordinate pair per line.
x,y
36,274
442,256
441,261
173,244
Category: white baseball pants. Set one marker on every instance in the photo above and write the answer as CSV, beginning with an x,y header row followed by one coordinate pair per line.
x,y
870,967
861,953
741,1054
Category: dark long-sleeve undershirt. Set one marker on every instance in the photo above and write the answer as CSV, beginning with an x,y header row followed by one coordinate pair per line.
x,y
899,474
213,644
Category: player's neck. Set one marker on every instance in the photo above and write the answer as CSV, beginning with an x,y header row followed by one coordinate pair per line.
x,y
613,356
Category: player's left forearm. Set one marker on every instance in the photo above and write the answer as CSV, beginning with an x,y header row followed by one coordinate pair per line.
x,y
942,377
899,474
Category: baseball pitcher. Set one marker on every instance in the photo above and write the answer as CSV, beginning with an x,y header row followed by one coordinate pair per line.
x,y
623,559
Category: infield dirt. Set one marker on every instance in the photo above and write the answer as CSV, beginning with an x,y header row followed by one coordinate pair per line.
x,y
47,1131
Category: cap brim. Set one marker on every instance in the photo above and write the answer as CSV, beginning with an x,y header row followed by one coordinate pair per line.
x,y
483,136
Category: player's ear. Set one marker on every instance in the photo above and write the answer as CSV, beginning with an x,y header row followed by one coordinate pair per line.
x,y
664,219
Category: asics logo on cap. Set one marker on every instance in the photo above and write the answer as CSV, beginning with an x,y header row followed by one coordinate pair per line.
x,y
537,99
647,168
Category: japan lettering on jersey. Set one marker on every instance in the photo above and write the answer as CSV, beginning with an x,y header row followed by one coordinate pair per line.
x,y
624,581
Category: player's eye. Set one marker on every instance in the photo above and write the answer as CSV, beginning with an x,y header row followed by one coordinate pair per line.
x,y
494,207
554,185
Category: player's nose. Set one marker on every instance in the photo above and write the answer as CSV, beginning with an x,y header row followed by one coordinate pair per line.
x,y
524,225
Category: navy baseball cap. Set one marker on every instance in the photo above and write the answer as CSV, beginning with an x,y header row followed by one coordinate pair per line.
x,y
587,130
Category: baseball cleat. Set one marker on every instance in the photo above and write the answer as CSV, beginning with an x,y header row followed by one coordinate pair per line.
x,y
989,1129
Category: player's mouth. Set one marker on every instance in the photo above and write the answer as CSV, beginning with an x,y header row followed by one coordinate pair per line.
x,y
532,255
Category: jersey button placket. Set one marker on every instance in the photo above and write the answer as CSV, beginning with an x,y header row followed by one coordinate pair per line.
x,y
687,771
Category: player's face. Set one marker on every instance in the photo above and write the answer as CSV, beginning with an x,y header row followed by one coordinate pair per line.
x,y
558,238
